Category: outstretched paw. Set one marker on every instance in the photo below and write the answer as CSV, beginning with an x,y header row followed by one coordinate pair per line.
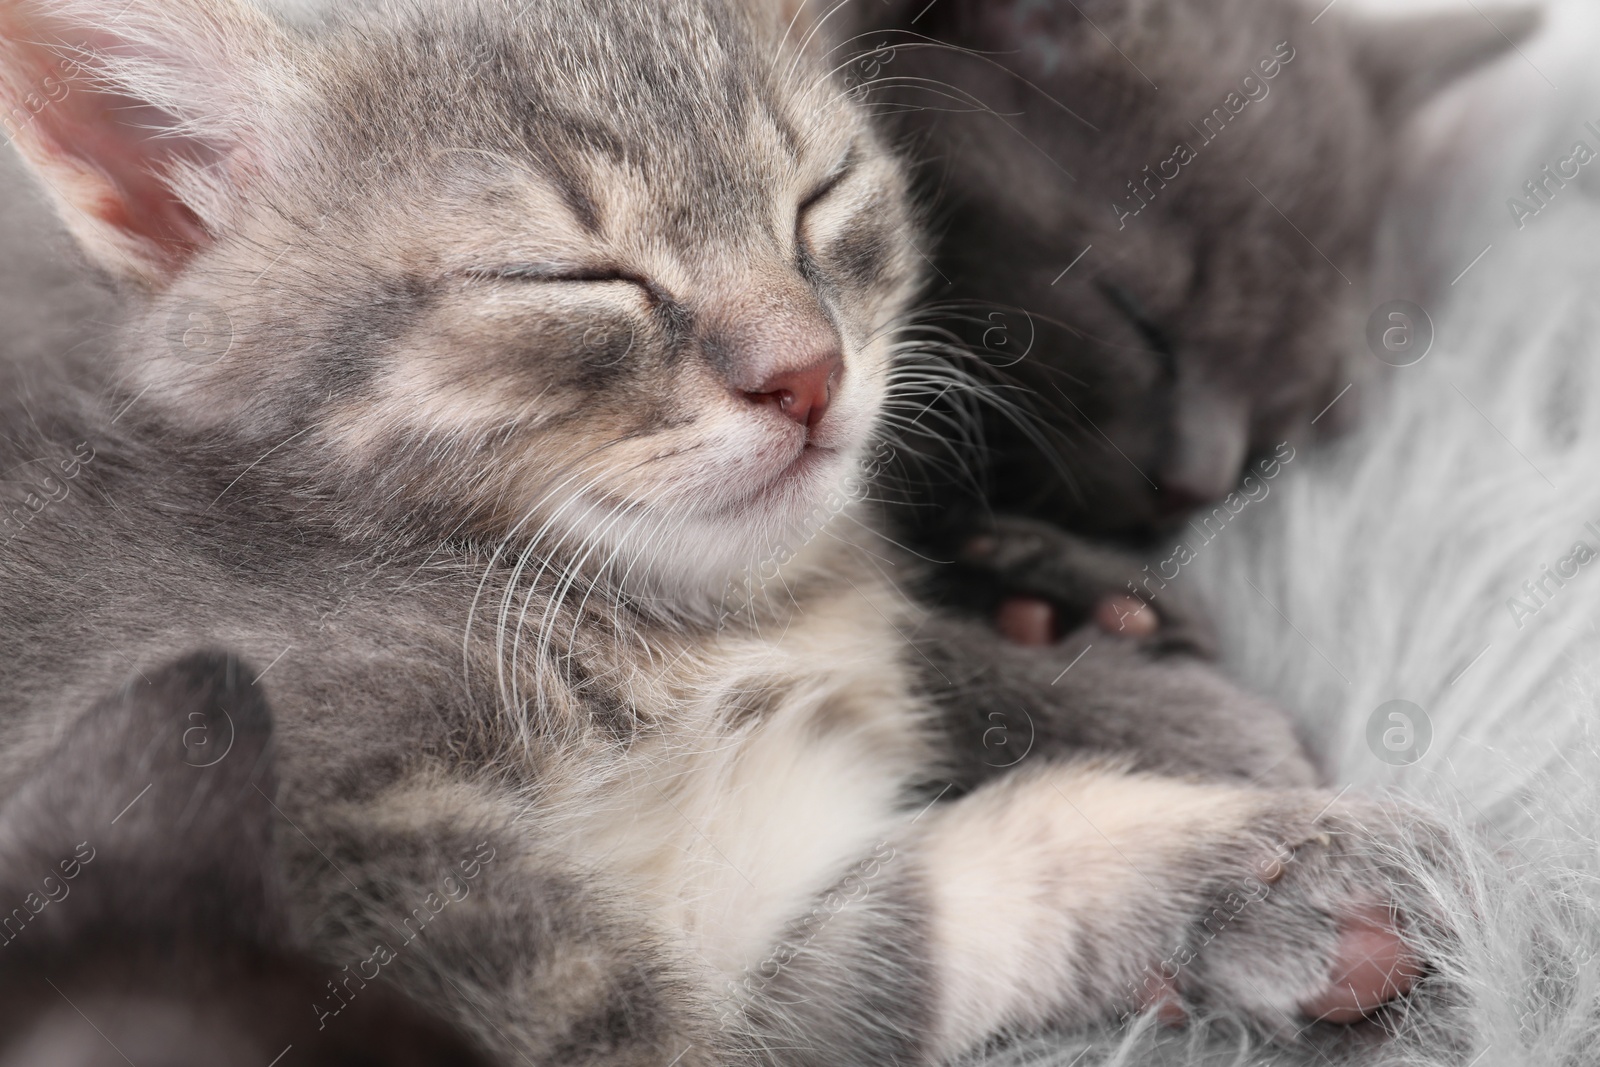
x,y
1326,938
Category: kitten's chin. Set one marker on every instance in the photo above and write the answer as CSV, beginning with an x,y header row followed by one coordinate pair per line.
x,y
718,556
794,487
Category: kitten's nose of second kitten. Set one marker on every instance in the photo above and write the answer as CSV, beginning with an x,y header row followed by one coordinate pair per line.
x,y
803,394
1211,437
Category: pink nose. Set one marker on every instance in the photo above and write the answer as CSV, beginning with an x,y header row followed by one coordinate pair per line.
x,y
802,394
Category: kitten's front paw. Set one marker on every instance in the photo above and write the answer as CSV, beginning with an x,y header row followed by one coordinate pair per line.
x,y
1322,934
1039,582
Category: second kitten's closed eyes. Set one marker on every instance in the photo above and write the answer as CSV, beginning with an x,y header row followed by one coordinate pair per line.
x,y
1158,215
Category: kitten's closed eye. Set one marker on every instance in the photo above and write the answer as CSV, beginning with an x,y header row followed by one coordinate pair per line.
x,y
555,273
1132,309
840,172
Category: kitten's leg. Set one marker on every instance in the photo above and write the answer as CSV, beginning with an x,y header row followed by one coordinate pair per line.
x,y
1094,693
438,888
1070,894
1051,896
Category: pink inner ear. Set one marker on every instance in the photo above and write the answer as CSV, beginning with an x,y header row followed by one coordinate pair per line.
x,y
130,145
109,155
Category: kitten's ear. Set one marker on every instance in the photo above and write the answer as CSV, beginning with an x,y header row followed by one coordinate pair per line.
x,y
1408,60
135,116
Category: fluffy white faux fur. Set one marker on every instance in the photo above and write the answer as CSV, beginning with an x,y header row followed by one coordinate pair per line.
x,y
1385,567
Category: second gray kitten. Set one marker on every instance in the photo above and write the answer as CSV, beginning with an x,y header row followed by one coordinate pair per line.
x,y
1158,217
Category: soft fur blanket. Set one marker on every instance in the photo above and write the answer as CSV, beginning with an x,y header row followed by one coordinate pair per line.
x,y
1391,566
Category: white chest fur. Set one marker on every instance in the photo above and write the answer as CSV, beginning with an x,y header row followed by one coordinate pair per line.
x,y
784,760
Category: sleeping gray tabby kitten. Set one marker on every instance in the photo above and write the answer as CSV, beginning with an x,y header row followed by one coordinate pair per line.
x,y
500,377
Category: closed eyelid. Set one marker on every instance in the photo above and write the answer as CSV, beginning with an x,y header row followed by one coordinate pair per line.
x,y
1130,308
842,170
567,272
547,272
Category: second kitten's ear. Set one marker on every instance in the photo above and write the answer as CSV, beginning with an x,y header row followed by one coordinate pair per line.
x,y
1408,60
135,116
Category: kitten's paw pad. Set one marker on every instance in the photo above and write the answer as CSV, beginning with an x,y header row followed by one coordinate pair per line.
x,y
1036,623
1042,583
1027,620
1160,995
1126,616
1372,966
1326,941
